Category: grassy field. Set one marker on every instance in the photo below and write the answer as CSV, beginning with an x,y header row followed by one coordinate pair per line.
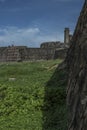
x,y
35,98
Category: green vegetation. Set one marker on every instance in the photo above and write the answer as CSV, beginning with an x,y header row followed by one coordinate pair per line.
x,y
35,98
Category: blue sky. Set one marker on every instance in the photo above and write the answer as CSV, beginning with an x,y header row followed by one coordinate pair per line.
x,y
31,22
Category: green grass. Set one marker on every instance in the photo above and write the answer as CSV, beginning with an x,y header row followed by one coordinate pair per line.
x,y
36,99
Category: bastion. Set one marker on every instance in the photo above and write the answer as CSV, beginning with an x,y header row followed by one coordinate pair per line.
x,y
46,51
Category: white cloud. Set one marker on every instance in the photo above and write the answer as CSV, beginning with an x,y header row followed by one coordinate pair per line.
x,y
25,36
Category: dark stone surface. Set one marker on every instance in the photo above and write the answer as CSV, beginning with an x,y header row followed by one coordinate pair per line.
x,y
77,70
61,53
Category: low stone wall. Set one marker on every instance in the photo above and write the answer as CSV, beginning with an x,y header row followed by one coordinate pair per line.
x,y
56,44
23,53
40,53
60,53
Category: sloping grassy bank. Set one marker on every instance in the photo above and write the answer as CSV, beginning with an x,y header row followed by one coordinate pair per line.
x,y
28,101
55,112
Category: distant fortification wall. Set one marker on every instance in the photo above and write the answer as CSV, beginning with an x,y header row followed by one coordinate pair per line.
x,y
40,53
47,50
54,45
61,53
23,53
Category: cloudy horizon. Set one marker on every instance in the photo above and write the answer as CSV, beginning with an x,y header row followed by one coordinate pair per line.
x,y
29,23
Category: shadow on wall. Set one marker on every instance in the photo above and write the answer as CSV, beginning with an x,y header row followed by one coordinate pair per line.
x,y
54,110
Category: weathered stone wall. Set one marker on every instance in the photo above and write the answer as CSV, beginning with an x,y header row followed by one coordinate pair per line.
x,y
23,53
77,70
40,53
61,53
55,45
47,50
12,53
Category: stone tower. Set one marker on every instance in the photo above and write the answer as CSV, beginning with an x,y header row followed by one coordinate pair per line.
x,y
66,36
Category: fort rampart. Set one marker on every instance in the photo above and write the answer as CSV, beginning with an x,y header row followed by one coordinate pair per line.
x,y
47,51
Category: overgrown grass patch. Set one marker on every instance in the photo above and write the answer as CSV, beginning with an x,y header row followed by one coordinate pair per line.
x,y
35,100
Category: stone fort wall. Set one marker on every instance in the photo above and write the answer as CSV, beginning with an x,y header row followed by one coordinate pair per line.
x,y
47,51
23,53
77,74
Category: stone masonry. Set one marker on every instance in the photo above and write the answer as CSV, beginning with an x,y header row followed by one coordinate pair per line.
x,y
77,70
47,50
